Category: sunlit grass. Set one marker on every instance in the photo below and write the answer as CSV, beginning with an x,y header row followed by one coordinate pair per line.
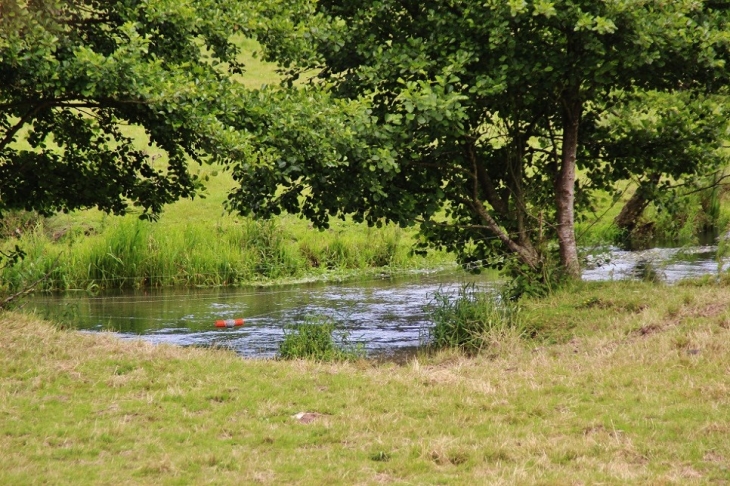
x,y
199,246
256,72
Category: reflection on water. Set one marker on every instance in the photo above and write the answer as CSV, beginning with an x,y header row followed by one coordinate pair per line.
x,y
386,315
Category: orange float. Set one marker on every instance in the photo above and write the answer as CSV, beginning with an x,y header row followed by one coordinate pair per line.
x,y
229,323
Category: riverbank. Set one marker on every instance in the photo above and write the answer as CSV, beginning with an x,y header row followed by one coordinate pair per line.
x,y
196,244
624,382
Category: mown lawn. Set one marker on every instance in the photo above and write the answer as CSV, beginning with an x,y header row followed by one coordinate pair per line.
x,y
624,383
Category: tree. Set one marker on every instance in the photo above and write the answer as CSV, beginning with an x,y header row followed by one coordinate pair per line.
x,y
482,112
80,80
660,141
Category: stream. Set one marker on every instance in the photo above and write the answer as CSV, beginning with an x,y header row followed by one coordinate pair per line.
x,y
385,315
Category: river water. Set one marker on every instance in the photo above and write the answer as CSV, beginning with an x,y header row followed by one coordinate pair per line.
x,y
669,264
385,315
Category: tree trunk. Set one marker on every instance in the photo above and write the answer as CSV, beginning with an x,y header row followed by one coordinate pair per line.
x,y
565,191
526,253
634,207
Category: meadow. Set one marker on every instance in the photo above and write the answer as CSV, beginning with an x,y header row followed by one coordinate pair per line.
x,y
623,383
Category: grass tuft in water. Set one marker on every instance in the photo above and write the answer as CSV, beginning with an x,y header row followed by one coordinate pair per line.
x,y
472,320
318,338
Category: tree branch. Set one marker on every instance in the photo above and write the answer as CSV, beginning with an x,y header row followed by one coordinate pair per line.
x,y
60,102
491,191
716,183
10,135
526,254
30,287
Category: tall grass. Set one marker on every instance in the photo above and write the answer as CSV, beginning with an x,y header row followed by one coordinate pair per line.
x,y
129,253
472,320
319,338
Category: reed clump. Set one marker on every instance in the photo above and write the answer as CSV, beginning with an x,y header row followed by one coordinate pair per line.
x,y
319,338
472,319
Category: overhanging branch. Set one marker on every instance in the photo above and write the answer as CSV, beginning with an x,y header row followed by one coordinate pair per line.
x,y
10,135
58,102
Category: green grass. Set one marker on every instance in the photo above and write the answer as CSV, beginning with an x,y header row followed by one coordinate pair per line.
x,y
595,227
625,384
128,253
257,73
318,338
195,243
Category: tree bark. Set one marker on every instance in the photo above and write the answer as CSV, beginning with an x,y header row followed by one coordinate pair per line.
x,y
526,253
565,191
634,207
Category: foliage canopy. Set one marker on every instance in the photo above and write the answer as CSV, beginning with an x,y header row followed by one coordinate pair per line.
x,y
77,77
482,113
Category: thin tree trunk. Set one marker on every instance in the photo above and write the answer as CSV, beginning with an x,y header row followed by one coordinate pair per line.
x,y
526,253
565,192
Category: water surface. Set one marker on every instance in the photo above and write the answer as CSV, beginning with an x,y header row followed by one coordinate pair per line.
x,y
668,264
386,315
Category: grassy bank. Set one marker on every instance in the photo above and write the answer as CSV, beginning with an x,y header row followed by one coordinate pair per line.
x,y
128,253
195,243
624,383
